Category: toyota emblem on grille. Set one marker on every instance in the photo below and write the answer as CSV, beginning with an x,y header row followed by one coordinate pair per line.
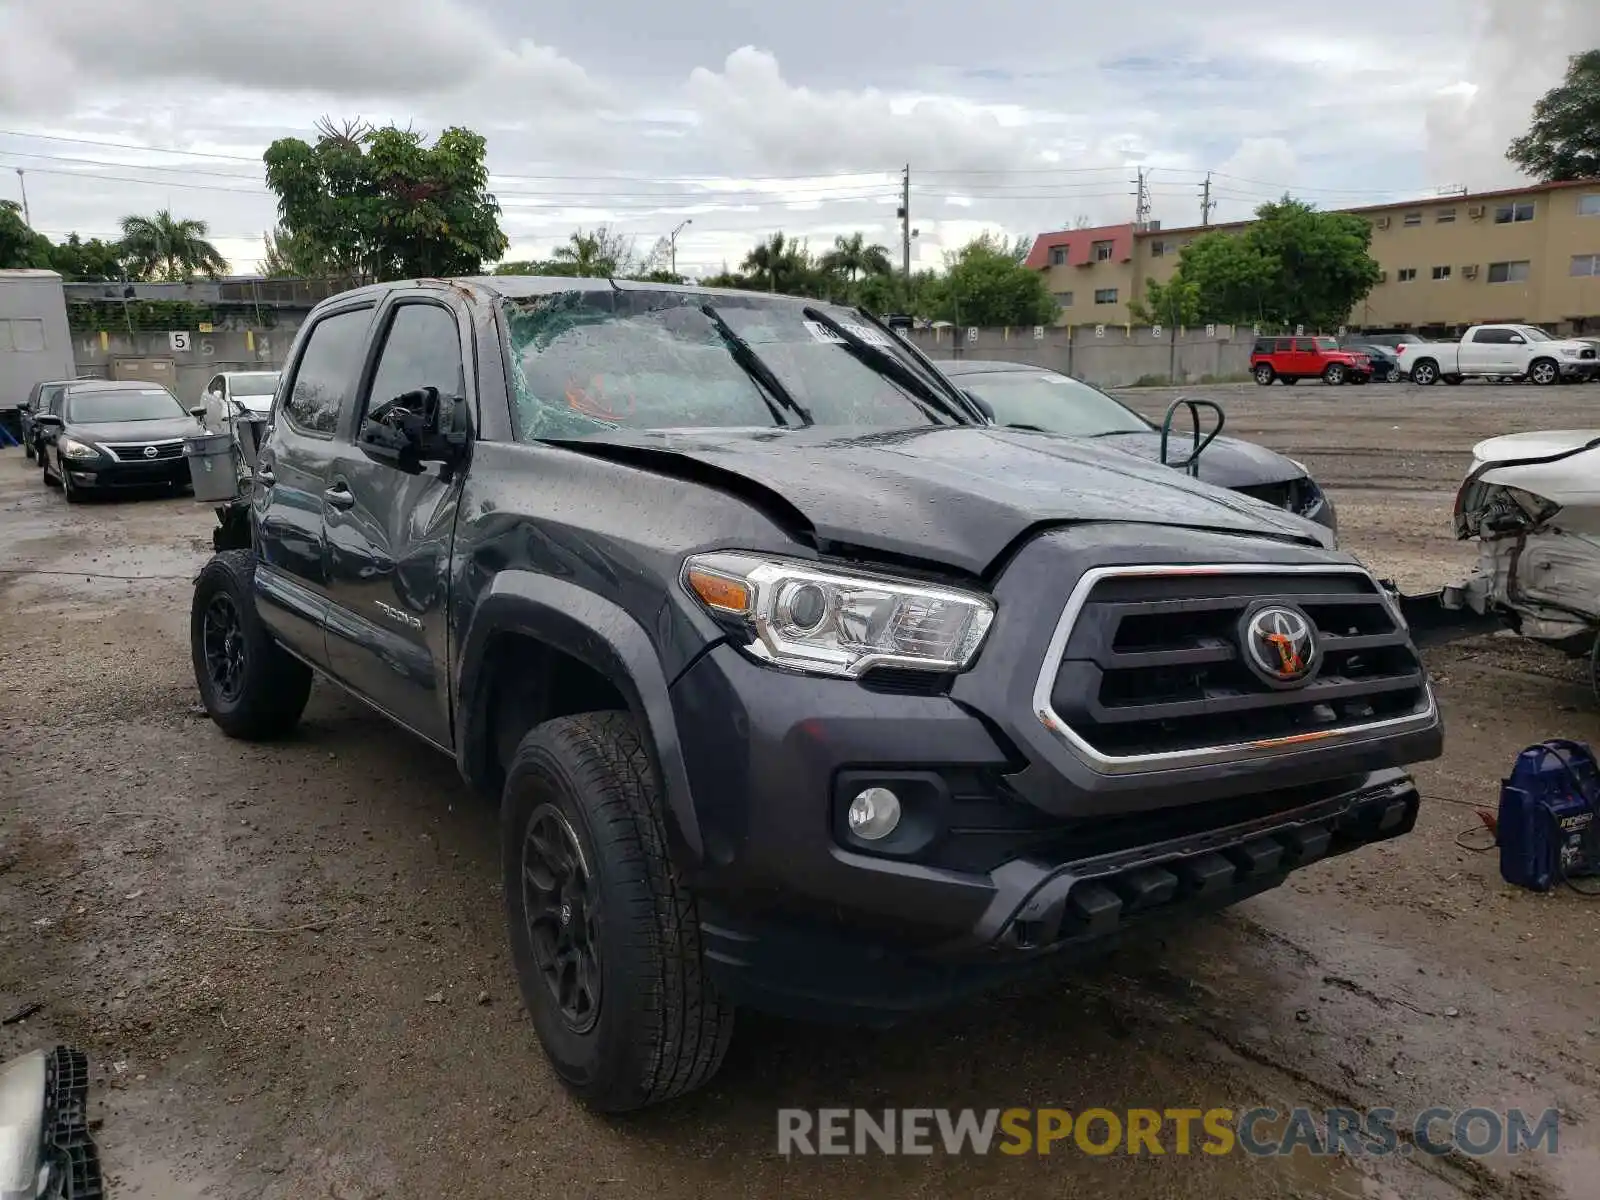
x,y
150,451
1280,644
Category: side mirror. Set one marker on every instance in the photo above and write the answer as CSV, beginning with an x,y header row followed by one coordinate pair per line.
x,y
415,428
1518,340
198,412
981,405
47,420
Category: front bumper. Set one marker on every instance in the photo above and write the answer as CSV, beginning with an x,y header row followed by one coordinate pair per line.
x,y
1014,849
113,474
1582,368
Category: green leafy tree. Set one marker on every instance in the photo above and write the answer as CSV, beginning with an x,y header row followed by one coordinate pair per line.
x,y
853,257
984,284
93,261
601,254
20,246
1321,268
380,202
169,248
772,260
1173,304
290,256
1563,141
1292,266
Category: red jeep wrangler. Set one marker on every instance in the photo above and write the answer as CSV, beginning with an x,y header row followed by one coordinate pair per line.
x,y
1292,359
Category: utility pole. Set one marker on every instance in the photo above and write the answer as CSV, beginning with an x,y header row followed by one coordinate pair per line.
x,y
1206,202
905,222
1141,205
23,183
672,241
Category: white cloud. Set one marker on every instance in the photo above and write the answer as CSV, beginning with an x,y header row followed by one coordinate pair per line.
x,y
328,47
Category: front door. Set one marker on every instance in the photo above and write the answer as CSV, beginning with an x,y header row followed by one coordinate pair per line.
x,y
292,474
1305,358
389,533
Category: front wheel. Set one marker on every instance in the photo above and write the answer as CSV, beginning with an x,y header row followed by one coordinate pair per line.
x,y
605,937
1264,374
1544,372
1334,375
251,687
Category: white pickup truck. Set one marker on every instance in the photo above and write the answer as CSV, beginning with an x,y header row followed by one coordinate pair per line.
x,y
1511,351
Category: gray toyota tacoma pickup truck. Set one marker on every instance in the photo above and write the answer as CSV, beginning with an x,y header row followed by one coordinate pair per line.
x,y
798,685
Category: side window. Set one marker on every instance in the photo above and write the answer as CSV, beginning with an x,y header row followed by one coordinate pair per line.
x,y
327,370
1492,337
1304,346
1282,346
215,385
422,349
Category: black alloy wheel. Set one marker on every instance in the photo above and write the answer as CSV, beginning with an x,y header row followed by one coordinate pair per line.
x,y
223,640
562,911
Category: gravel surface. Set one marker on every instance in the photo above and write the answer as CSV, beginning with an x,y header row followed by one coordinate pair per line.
x,y
287,961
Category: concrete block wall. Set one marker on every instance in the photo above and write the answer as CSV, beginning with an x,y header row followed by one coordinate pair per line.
x,y
182,360
1107,355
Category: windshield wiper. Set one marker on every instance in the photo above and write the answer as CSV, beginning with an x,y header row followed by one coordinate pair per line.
x,y
756,367
887,365
925,364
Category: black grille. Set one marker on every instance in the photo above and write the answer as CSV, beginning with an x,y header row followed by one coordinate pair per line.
x,y
1153,664
1589,353
135,451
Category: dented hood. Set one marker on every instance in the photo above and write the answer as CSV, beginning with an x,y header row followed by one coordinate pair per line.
x,y
953,494
1543,443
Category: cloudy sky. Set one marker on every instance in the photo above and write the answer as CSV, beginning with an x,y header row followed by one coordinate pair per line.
x,y
749,117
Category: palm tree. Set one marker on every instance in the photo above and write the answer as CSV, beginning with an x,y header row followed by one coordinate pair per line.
x,y
597,255
852,257
163,247
769,259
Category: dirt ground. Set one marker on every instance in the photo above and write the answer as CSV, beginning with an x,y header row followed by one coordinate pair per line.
x,y
287,964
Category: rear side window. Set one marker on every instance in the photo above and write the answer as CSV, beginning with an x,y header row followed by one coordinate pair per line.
x,y
422,349
1263,346
1304,345
327,371
1493,337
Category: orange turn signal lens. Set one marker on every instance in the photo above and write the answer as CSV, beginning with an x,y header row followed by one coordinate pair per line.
x,y
718,591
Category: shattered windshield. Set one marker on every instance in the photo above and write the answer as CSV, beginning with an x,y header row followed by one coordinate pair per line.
x,y
1053,403
586,361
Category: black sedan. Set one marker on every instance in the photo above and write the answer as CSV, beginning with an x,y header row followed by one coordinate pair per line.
x,y
1029,397
101,436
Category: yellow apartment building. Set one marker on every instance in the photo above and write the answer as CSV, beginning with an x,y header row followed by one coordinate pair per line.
x,y
1527,254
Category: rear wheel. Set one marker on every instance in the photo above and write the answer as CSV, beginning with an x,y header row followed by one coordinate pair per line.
x,y
1394,375
1544,371
1425,373
604,935
1334,375
1264,374
252,688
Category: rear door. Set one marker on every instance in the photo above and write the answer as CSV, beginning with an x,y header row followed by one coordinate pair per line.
x,y
389,533
292,475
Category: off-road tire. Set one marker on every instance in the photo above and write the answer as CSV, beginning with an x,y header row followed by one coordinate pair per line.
x,y
662,1029
1264,374
275,684
1544,371
1425,373
73,493
1334,375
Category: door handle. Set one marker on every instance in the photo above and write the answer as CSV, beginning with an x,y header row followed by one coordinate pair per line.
x,y
340,496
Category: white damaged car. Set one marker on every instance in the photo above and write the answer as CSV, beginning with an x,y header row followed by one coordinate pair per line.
x,y
1532,501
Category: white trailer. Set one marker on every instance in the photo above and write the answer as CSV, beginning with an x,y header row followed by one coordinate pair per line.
x,y
35,344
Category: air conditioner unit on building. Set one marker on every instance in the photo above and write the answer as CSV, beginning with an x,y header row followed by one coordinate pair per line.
x,y
1470,271
1475,211
1383,277
1382,222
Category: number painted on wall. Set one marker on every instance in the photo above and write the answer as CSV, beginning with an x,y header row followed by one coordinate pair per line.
x,y
178,339
1211,331
1155,331
263,347
1099,331
1038,333
972,333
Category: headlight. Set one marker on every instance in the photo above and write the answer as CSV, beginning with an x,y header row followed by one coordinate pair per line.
x,y
834,622
1568,352
72,448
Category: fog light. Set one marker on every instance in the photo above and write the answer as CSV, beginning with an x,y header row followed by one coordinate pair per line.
x,y
874,813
